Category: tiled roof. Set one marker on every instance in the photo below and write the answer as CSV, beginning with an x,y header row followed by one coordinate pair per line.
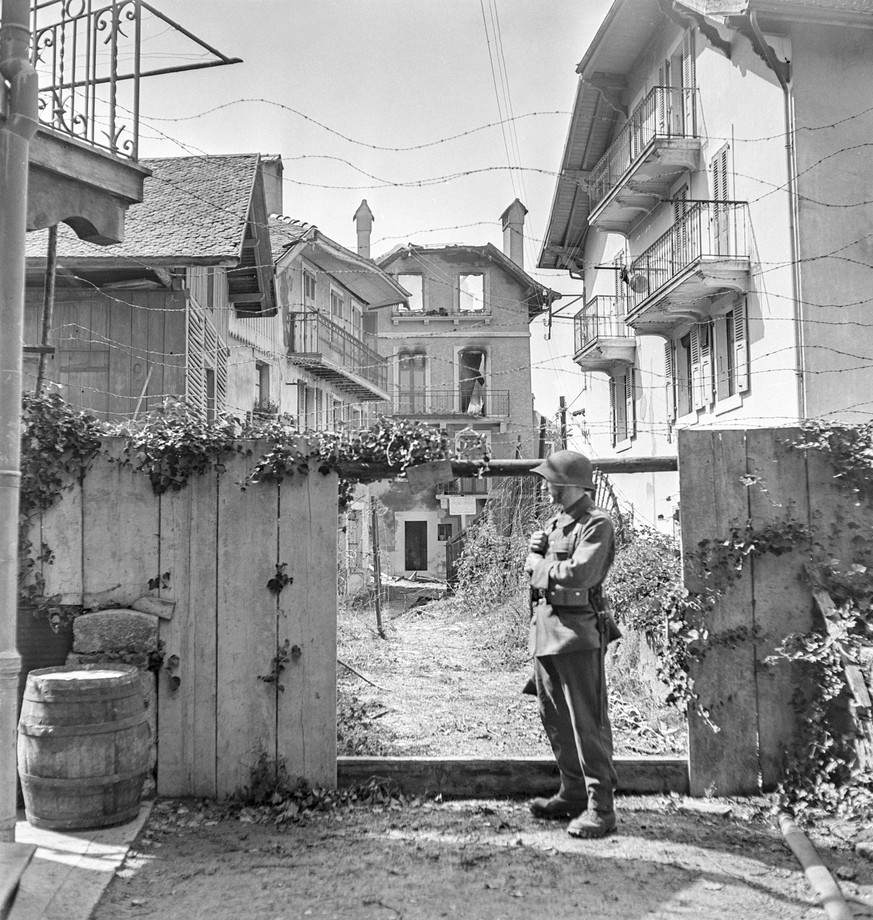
x,y
286,231
193,207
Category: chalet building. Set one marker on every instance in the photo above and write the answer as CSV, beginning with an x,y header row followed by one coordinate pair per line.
x,y
459,359
714,204
185,307
325,292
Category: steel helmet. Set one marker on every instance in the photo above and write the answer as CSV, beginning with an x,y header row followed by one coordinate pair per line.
x,y
567,468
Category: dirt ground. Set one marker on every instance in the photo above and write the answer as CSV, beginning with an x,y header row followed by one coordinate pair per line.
x,y
487,860
392,858
449,682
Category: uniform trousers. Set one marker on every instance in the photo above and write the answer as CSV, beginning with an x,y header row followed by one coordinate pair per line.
x,y
571,689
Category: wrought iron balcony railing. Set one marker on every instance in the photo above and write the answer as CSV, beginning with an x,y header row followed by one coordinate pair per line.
x,y
476,402
709,231
466,485
318,338
666,112
602,317
88,57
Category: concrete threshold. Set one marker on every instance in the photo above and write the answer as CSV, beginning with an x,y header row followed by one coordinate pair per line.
x,y
70,870
464,777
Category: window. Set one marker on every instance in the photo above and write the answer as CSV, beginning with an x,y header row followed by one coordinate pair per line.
x,y
623,410
308,288
731,364
679,379
702,381
411,381
356,322
719,166
415,285
262,385
472,293
444,532
471,381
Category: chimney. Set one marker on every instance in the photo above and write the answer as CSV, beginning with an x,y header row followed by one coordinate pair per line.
x,y
271,170
363,219
513,232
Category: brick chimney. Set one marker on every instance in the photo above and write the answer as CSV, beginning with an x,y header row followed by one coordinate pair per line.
x,y
513,232
363,219
271,170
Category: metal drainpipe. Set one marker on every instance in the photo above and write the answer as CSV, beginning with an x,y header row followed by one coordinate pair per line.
x,y
15,134
793,216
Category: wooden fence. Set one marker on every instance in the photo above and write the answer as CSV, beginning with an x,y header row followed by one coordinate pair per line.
x,y
731,478
220,545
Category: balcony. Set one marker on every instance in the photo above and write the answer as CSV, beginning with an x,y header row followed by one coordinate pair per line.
x,y
446,403
332,353
602,339
705,254
88,58
658,143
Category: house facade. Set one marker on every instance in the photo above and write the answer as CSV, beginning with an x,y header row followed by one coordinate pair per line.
x,y
714,204
459,359
326,293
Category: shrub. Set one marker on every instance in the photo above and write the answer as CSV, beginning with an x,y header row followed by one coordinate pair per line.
x,y
645,572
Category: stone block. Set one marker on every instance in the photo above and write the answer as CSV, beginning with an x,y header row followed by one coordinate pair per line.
x,y
119,630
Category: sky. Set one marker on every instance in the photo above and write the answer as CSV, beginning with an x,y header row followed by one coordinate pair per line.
x,y
338,86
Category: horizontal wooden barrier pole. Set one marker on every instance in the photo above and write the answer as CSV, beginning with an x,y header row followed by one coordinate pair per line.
x,y
463,777
610,465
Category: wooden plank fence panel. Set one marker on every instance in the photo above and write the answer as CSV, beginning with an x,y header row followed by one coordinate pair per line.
x,y
307,619
177,690
121,524
782,601
713,498
246,624
202,594
60,529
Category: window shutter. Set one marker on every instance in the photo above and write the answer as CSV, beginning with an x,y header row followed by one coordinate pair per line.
x,y
688,69
696,376
662,100
670,382
705,339
689,82
721,219
741,350
630,402
613,420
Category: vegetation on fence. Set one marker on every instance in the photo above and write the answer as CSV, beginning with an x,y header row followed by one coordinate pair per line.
x,y
172,445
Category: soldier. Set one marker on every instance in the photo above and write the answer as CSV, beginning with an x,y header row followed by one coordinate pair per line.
x,y
569,632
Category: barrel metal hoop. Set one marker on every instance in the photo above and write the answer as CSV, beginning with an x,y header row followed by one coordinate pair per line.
x,y
80,729
82,782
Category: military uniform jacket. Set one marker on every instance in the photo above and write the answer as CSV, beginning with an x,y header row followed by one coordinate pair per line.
x,y
580,552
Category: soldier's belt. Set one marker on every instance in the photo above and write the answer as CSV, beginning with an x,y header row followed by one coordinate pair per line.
x,y
567,597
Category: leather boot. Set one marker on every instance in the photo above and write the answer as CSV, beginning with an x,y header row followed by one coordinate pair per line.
x,y
557,807
592,824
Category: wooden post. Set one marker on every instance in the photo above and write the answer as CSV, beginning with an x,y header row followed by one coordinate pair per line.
x,y
377,566
48,302
562,412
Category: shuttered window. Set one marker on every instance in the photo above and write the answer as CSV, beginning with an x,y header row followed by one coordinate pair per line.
x,y
701,365
670,378
719,168
740,347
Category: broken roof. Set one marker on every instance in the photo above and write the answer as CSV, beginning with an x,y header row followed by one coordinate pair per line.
x,y
537,296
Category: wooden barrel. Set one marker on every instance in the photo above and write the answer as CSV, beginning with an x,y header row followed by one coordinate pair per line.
x,y
83,746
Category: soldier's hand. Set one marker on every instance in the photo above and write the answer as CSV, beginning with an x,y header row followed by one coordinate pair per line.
x,y
533,559
539,543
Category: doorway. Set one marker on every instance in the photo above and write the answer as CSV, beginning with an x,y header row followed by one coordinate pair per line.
x,y
415,546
